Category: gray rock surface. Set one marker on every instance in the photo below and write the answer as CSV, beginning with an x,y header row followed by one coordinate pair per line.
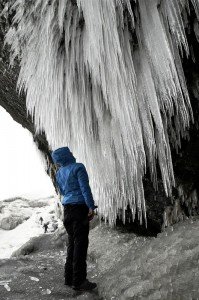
x,y
11,222
124,265
37,277
131,267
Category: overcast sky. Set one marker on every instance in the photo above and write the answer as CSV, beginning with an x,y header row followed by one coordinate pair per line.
x,y
21,169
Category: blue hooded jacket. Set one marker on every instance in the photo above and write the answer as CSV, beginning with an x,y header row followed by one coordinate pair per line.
x,y
72,179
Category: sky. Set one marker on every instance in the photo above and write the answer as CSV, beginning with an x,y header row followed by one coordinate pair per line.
x,y
21,169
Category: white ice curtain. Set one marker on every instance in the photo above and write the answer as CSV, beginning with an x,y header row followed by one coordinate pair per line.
x,y
105,78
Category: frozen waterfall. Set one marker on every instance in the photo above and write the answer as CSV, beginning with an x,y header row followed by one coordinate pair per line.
x,y
105,78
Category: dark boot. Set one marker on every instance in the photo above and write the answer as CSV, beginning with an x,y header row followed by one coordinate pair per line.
x,y
85,286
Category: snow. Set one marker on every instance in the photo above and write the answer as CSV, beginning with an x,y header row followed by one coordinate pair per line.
x,y
112,99
11,240
24,176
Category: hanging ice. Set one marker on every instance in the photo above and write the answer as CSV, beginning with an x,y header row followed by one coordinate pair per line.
x,y
112,99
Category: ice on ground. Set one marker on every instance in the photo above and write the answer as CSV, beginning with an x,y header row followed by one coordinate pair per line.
x,y
132,267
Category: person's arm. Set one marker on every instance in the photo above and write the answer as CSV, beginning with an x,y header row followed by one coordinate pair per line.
x,y
83,180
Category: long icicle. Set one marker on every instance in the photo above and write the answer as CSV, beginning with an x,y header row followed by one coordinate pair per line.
x,y
112,101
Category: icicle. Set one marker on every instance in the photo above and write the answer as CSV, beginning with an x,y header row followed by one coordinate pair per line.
x,y
196,30
172,11
196,6
113,104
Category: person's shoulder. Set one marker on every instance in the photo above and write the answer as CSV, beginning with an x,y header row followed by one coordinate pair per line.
x,y
78,166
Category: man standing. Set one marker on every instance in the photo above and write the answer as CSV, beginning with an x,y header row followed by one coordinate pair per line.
x,y
73,183
45,227
41,220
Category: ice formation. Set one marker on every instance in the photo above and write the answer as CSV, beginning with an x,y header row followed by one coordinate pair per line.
x,y
105,78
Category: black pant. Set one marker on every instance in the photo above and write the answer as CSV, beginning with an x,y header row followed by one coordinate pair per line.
x,y
77,226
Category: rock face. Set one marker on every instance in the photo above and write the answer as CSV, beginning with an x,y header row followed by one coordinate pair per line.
x,y
14,212
161,211
11,222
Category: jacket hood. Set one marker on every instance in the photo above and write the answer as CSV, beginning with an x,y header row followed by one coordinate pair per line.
x,y
63,156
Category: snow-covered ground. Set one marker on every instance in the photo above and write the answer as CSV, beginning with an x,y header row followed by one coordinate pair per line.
x,y
11,240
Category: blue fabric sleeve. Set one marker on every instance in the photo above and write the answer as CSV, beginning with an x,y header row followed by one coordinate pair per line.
x,y
83,180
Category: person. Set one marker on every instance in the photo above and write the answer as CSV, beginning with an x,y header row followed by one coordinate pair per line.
x,y
45,227
73,183
41,220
